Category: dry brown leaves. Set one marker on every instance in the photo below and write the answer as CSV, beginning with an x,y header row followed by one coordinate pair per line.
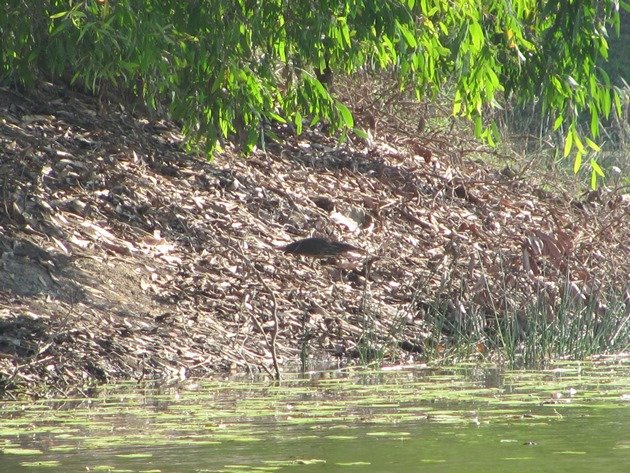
x,y
123,257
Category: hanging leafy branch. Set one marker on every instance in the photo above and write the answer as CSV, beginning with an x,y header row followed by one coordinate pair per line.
x,y
223,68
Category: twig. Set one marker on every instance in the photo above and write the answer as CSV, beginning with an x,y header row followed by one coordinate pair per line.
x,y
271,347
271,344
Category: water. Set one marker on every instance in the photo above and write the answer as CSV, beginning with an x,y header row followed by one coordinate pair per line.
x,y
473,419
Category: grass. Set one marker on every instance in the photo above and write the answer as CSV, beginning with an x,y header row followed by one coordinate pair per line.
x,y
571,329
370,348
532,334
522,330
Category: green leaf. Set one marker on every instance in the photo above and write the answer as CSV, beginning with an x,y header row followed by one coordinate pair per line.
x,y
568,144
390,56
558,122
617,103
252,140
361,133
557,85
605,76
577,164
478,126
593,180
495,133
594,122
577,140
592,144
346,115
282,51
597,169
409,37
457,103
606,102
276,117
58,15
617,22
223,126
476,35
297,120
572,82
320,88
346,34
593,85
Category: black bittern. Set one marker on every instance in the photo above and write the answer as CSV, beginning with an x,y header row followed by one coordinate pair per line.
x,y
318,248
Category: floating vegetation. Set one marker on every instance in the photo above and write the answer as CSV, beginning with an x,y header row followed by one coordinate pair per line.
x,y
346,421
41,464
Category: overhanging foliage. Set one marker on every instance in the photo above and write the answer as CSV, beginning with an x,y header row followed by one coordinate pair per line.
x,y
225,67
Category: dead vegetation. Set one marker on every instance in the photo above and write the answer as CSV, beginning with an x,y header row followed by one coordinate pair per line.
x,y
124,257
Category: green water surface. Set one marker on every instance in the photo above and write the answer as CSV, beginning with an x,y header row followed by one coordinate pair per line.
x,y
573,418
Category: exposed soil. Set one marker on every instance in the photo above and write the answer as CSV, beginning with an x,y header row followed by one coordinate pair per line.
x,y
124,257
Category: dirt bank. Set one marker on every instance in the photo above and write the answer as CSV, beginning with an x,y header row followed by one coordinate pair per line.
x,y
122,256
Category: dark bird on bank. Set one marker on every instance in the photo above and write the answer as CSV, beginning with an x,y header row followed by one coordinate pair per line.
x,y
318,248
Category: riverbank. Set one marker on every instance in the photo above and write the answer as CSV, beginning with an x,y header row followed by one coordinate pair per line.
x,y
125,257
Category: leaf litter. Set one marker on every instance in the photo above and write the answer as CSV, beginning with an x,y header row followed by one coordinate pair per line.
x,y
124,257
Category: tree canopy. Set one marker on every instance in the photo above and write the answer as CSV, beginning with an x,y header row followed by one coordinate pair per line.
x,y
228,66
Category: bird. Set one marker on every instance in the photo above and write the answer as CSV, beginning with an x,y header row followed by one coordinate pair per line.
x,y
318,248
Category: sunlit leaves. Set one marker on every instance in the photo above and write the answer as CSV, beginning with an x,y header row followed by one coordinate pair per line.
x,y
408,35
594,146
617,98
298,122
476,35
346,115
361,133
568,142
577,162
457,103
478,126
596,171
223,68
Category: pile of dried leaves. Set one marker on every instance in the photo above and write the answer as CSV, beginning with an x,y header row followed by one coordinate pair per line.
x,y
124,257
